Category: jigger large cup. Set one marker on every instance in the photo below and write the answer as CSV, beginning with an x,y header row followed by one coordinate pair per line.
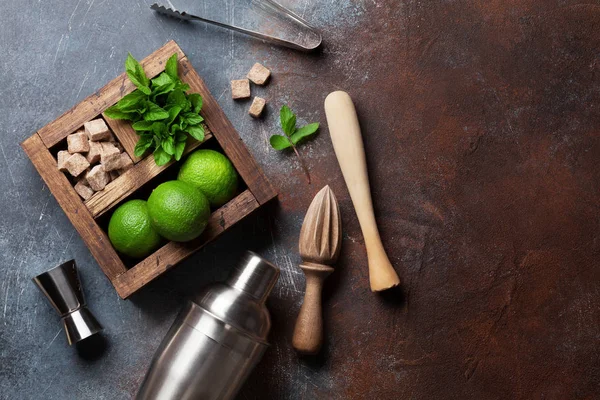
x,y
62,287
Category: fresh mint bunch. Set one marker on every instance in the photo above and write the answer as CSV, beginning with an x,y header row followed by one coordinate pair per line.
x,y
163,115
293,136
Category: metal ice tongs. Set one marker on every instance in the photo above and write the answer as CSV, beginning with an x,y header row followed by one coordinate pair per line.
x,y
309,40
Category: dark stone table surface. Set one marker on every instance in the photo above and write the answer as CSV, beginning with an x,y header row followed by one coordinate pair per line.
x,y
481,120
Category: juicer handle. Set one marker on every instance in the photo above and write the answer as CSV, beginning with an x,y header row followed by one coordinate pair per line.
x,y
308,333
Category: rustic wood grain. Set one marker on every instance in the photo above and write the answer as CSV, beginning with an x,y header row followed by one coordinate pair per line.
x,y
132,180
94,237
172,253
228,137
95,104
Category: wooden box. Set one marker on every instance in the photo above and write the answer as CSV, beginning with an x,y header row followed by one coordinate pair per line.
x,y
90,217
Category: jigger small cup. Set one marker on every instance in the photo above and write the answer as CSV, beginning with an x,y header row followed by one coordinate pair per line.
x,y
62,287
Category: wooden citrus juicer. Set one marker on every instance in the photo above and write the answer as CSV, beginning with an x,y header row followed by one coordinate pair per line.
x,y
320,244
349,150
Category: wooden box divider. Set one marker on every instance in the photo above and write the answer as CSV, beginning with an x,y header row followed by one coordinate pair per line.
x,y
83,215
132,180
125,134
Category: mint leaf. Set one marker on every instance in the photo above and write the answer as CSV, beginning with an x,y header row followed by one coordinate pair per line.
x,y
288,120
292,136
162,79
155,113
196,101
143,88
160,130
279,142
181,137
184,87
196,131
171,67
162,84
142,126
168,145
164,89
305,131
136,74
161,157
177,98
143,144
132,101
114,113
183,124
192,119
179,149
173,113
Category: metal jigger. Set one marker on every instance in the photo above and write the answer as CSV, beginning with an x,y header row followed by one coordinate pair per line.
x,y
62,287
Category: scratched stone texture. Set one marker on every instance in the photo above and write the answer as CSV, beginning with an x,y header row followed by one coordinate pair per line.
x,y
481,122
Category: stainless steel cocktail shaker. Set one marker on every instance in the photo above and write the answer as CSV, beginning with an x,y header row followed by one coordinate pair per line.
x,y
217,339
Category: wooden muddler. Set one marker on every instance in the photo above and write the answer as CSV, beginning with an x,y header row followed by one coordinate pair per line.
x,y
348,145
320,244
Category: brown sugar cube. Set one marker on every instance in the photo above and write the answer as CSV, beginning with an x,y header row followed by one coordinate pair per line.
x,y
93,155
108,146
112,164
259,74
77,143
76,164
97,130
110,156
257,107
81,178
97,178
240,89
125,163
83,190
62,157
120,162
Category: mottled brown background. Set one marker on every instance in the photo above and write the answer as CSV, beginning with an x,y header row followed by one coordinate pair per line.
x,y
482,125
481,121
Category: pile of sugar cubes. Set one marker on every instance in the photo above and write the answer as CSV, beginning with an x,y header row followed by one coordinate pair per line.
x,y
93,158
240,88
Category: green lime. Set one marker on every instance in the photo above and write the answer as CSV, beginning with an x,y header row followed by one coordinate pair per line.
x,y
130,231
178,211
212,173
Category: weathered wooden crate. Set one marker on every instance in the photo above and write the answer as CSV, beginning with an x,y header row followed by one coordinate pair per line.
x,y
90,217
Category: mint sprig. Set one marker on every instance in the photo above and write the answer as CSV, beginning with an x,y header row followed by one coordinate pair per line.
x,y
293,136
161,112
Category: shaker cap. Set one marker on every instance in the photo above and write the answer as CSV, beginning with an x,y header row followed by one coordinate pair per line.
x,y
254,276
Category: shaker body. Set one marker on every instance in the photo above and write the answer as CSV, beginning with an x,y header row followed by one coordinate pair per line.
x,y
190,364
216,341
